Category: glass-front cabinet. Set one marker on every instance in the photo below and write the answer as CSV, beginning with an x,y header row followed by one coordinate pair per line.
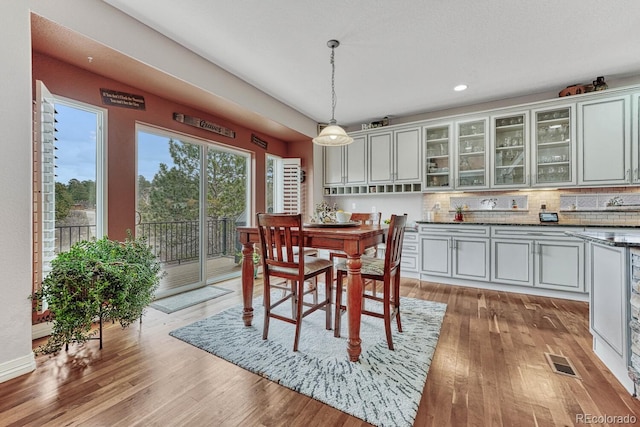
x,y
553,154
471,154
510,144
438,171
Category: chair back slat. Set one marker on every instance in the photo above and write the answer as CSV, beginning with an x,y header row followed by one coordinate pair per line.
x,y
277,233
395,235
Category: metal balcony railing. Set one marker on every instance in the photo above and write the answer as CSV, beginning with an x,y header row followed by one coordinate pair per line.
x,y
172,242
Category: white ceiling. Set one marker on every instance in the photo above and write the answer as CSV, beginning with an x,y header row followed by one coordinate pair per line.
x,y
402,57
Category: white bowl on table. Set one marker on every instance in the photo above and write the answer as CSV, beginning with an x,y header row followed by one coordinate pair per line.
x,y
343,217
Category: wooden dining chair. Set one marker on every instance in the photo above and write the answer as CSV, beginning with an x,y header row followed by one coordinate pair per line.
x,y
277,233
386,270
367,218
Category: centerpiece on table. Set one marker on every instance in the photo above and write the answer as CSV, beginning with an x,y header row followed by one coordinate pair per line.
x,y
325,214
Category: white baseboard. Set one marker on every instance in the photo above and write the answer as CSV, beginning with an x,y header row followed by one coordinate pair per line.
x,y
16,367
40,330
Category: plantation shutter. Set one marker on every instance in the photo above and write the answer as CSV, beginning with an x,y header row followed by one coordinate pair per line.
x,y
44,208
291,187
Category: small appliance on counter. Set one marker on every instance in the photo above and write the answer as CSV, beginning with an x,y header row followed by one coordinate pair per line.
x,y
548,217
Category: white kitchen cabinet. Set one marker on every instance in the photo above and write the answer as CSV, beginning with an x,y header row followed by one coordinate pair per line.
x,y
635,138
604,141
537,256
553,152
458,252
512,261
510,150
439,166
346,165
410,251
607,280
472,154
395,157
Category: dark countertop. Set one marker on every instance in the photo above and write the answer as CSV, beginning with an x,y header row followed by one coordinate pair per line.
x,y
627,239
547,224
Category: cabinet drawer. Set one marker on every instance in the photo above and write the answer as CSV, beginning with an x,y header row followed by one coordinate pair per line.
x,y
409,262
531,233
410,248
455,230
410,237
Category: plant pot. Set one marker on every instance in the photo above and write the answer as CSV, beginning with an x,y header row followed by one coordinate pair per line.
x,y
458,217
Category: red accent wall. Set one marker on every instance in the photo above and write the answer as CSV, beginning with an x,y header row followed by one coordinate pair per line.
x,y
75,83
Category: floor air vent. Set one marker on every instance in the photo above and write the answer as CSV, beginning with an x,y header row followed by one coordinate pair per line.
x,y
561,365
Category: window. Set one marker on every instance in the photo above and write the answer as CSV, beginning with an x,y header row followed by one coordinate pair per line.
x,y
191,196
283,185
68,180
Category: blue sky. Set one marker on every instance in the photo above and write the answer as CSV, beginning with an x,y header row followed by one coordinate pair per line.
x,y
77,153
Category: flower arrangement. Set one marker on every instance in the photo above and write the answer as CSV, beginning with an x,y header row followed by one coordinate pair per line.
x,y
325,213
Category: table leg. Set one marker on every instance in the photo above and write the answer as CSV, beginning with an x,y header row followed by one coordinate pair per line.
x,y
247,283
354,306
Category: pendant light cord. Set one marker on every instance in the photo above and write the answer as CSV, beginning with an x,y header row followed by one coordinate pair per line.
x,y
333,86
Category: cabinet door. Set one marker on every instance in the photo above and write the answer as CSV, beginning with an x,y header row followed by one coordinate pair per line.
x,y
380,148
510,155
333,165
512,261
608,295
355,161
436,255
553,157
472,150
604,134
470,258
408,155
559,265
438,169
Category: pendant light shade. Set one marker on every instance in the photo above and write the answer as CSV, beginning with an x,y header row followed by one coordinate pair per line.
x,y
333,135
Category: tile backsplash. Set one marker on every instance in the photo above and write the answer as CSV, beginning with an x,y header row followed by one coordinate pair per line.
x,y
555,201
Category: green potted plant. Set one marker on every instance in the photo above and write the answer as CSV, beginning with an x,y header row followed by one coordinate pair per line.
x,y
97,280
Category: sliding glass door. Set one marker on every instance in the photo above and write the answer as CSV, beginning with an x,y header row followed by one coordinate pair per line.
x,y
191,196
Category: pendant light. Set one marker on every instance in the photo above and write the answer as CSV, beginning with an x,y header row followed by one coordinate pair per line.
x,y
333,135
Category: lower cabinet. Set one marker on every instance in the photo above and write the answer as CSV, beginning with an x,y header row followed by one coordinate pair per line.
x,y
609,307
409,259
530,256
542,258
455,252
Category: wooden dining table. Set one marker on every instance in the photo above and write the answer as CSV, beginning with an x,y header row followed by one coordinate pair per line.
x,y
353,240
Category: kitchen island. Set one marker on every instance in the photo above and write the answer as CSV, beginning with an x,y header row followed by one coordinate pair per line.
x,y
612,279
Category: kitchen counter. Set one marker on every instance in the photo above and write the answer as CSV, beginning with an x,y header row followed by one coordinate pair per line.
x,y
538,224
624,239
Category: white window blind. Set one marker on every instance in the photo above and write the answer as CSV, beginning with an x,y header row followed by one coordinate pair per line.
x,y
44,208
291,188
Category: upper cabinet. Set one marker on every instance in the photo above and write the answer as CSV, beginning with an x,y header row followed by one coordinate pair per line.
x,y
438,168
553,152
510,155
346,165
604,141
586,140
395,157
471,149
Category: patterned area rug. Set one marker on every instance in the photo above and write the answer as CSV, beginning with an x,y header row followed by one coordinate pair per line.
x,y
189,298
384,388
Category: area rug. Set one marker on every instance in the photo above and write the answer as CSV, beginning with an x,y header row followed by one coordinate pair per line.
x,y
188,299
384,388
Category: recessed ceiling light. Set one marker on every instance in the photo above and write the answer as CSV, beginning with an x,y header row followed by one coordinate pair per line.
x,y
460,88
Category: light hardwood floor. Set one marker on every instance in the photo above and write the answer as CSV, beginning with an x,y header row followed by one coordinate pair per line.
x,y
489,369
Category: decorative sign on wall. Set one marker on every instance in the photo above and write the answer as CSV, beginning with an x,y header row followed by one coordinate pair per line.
x,y
259,142
122,99
203,124
376,124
